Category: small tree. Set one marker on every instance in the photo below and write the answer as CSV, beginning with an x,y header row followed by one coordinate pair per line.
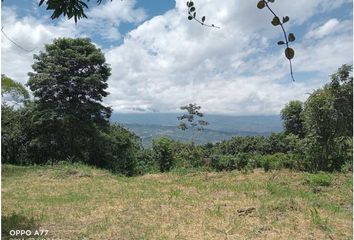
x,y
328,116
193,119
292,116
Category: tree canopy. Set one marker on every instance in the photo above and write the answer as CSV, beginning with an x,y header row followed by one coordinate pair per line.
x,y
292,118
15,89
328,119
69,83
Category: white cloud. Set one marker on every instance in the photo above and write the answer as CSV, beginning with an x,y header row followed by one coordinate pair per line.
x,y
33,32
30,33
104,20
330,27
169,61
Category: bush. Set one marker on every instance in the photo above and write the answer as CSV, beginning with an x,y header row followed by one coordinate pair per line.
x,y
223,162
164,152
230,162
146,162
336,155
116,150
277,161
189,155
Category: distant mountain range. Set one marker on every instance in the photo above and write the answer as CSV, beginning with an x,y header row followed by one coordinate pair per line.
x,y
221,127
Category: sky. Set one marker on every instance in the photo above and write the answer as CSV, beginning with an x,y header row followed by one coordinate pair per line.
x,y
160,60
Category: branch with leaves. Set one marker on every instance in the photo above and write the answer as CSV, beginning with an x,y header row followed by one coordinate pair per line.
x,y
15,89
72,9
192,15
288,38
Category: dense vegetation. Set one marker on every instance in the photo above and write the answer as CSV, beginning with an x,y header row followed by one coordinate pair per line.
x,y
67,121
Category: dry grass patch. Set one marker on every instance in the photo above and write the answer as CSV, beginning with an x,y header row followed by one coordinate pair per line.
x,y
77,202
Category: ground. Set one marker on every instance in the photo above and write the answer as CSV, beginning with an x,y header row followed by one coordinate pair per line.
x,y
80,202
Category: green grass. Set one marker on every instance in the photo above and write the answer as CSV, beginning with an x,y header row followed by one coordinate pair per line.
x,y
77,202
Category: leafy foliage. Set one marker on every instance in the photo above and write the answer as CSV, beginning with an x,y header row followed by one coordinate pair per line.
x,y
117,150
328,115
12,137
15,89
192,15
67,121
192,119
72,9
292,116
164,153
69,83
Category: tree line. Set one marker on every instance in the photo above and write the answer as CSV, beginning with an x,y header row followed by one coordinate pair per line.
x,y
66,120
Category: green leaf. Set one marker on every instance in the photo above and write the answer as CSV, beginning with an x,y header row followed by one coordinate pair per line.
x,y
192,9
276,21
286,19
291,37
190,4
261,4
40,2
203,19
289,53
281,43
190,17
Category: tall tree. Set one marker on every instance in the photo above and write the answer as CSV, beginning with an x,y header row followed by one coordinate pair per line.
x,y
292,116
69,83
341,87
328,115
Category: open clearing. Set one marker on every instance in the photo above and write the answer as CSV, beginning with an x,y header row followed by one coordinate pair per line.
x,y
80,202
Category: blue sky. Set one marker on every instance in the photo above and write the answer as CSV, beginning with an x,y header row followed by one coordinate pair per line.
x,y
161,61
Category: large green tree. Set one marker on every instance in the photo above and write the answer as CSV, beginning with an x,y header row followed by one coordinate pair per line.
x,y
69,83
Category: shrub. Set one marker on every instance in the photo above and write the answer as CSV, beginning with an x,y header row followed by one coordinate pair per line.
x,y
333,158
229,162
189,155
164,152
146,162
277,161
116,150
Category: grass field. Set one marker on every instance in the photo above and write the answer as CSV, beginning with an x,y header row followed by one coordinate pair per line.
x,y
80,202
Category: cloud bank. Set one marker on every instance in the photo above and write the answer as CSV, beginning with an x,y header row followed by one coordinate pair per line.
x,y
168,61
